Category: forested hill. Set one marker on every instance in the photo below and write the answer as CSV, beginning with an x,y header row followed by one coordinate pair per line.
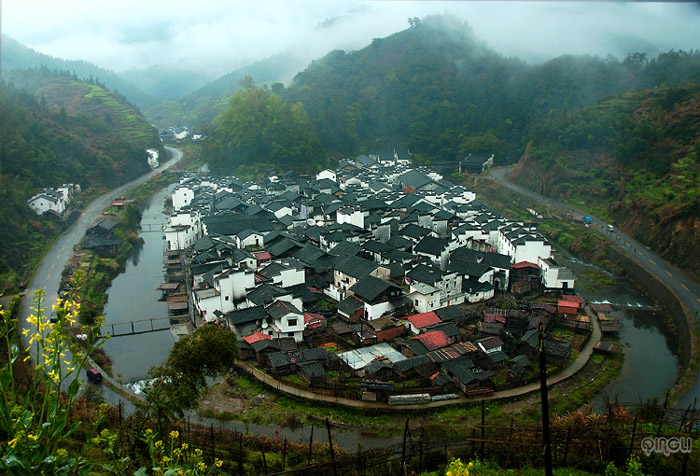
x,y
634,159
201,106
42,148
63,91
436,89
15,56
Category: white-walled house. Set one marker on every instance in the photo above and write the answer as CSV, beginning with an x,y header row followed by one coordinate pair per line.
x,y
250,238
523,244
182,196
286,320
227,294
49,200
555,276
180,237
352,216
327,174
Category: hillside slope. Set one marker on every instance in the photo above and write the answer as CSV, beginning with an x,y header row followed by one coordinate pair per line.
x,y
61,91
16,56
201,106
436,89
42,148
634,159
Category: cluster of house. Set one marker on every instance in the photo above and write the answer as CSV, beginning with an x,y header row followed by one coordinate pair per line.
x,y
53,202
397,248
179,133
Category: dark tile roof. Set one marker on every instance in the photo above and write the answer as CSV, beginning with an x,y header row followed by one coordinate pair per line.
x,y
345,248
449,313
265,294
250,314
414,231
350,305
431,246
369,288
356,267
425,274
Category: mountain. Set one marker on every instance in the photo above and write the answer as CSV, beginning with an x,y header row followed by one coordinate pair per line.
x,y
436,89
204,104
63,91
633,159
43,148
15,56
165,83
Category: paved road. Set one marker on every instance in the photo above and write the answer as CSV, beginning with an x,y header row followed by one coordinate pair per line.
x,y
566,373
684,287
48,275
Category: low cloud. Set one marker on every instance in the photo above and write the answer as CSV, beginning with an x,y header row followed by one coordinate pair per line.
x,y
218,36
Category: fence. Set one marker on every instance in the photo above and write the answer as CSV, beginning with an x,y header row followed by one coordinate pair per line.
x,y
583,441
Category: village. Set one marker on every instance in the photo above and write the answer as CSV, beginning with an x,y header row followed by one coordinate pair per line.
x,y
376,281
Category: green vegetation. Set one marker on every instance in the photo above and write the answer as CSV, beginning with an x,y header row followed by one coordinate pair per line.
x,y
631,160
259,132
41,148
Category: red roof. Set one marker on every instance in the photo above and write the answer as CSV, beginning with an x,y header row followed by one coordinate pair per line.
x,y
494,318
524,264
572,298
313,321
258,336
434,340
425,319
571,304
262,255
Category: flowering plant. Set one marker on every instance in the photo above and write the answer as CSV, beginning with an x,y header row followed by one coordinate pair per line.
x,y
34,412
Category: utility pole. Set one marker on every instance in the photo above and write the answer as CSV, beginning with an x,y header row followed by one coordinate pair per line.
x,y
545,405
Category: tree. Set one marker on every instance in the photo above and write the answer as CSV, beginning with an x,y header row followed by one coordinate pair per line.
x,y
176,385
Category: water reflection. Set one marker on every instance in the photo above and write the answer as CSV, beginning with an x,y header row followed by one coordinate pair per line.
x,y
133,295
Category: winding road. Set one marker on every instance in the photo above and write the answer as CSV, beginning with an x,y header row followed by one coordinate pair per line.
x,y
682,285
48,275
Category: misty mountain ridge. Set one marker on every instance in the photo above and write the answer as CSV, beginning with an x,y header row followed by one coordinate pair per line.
x,y
203,105
65,92
16,56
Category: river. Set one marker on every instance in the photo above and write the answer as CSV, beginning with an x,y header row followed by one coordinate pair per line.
x,y
133,295
650,367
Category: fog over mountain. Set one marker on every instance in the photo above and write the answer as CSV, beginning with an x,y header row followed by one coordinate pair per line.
x,y
213,37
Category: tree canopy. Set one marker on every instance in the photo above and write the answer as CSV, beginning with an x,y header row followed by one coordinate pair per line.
x,y
260,129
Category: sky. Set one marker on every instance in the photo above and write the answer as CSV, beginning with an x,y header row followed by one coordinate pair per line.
x,y
218,36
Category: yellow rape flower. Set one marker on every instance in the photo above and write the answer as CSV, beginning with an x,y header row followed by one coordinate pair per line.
x,y
174,434
218,463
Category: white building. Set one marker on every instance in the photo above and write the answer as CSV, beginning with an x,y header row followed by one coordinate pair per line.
x,y
49,200
327,174
555,276
182,196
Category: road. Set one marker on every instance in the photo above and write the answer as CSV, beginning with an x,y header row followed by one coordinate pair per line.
x,y
684,287
48,275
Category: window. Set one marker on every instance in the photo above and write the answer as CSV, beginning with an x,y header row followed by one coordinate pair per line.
x,y
292,322
290,334
227,298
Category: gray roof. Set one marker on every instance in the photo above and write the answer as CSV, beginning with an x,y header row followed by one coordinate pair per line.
x,y
243,316
356,267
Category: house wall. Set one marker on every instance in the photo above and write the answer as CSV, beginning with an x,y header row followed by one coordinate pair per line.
x,y
390,333
180,238
290,325
377,310
292,277
182,197
425,302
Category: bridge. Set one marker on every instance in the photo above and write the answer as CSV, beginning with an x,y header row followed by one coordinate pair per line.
x,y
153,227
130,328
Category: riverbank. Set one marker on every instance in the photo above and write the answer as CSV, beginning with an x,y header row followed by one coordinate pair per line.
x,y
656,277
